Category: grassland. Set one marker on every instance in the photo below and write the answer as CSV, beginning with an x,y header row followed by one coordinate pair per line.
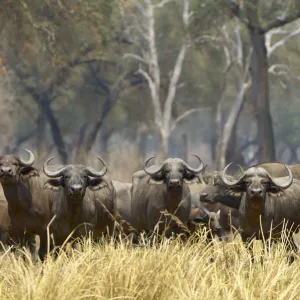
x,y
169,270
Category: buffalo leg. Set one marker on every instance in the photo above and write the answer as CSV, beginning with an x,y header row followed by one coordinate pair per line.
x,y
44,245
29,241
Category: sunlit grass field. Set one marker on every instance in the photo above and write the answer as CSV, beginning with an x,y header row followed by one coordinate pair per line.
x,y
171,269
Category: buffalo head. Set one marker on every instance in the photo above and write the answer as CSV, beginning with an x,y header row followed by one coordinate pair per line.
x,y
74,179
257,182
215,189
12,167
173,172
201,215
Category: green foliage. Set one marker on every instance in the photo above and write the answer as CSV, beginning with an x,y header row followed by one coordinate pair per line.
x,y
77,47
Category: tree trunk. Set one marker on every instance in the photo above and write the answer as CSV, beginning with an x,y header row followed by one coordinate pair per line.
x,y
260,85
142,144
233,153
104,136
225,133
56,133
260,97
41,137
219,135
164,148
184,147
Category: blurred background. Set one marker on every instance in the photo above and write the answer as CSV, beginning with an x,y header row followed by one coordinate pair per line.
x,y
127,79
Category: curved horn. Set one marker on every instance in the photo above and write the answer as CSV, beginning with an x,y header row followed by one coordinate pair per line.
x,y
52,174
229,182
206,211
30,161
154,169
197,170
278,181
101,173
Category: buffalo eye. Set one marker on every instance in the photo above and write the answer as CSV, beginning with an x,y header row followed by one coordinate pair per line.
x,y
246,182
188,174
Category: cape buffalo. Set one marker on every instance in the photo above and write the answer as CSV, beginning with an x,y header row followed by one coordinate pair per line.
x,y
278,170
123,203
29,206
5,223
266,200
164,188
217,196
200,215
84,201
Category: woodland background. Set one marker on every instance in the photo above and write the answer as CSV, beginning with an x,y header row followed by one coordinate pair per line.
x,y
125,79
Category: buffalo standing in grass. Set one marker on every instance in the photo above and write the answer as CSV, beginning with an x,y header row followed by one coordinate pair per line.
x,y
278,169
199,215
29,206
5,223
123,205
266,201
84,201
163,188
217,196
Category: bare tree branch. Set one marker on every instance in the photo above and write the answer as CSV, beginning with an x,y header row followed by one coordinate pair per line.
x,y
173,83
281,22
269,35
177,70
235,112
136,57
162,115
281,69
141,8
155,100
162,3
239,45
186,114
272,48
235,8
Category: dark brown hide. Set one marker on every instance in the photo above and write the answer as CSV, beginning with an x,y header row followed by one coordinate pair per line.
x,y
165,190
217,196
123,204
278,170
265,201
201,216
5,223
82,203
29,205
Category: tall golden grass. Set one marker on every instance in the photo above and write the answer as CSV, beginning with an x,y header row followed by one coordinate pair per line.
x,y
168,270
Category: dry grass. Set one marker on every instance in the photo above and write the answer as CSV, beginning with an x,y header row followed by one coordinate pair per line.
x,y
170,270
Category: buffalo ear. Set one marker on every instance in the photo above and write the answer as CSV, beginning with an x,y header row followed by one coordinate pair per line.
x,y
201,219
156,179
192,179
202,216
239,188
29,170
273,189
53,184
96,184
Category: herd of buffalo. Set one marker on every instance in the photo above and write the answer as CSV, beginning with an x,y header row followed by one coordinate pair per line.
x,y
74,201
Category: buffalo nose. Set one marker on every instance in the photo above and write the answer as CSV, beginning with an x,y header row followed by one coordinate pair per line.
x,y
174,182
76,188
6,170
257,191
203,195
